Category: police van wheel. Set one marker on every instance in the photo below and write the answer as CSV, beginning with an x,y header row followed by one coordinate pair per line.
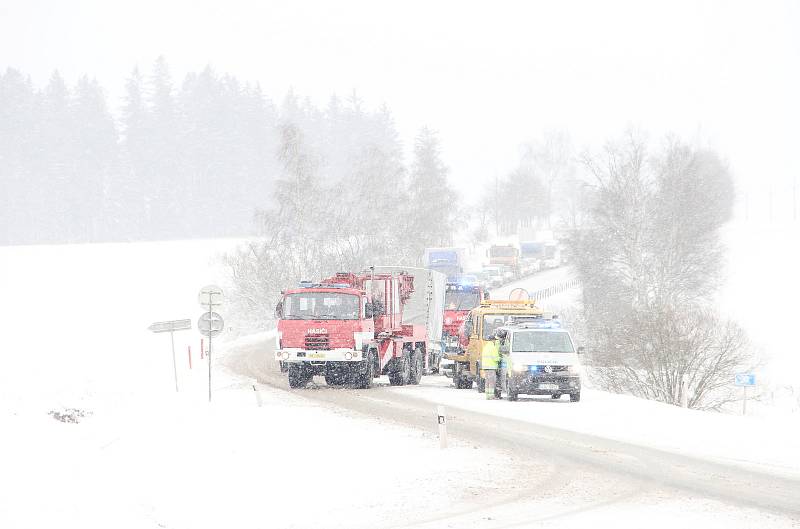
x,y
511,392
575,397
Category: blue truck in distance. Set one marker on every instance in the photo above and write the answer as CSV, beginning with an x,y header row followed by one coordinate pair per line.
x,y
449,261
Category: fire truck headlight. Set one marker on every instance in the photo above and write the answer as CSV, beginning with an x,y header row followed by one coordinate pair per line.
x,y
348,356
285,355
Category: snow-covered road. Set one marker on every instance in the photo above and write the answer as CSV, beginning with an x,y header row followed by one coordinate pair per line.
x,y
592,470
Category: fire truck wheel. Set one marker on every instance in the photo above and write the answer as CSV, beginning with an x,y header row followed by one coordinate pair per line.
x,y
400,375
417,366
337,374
299,376
364,373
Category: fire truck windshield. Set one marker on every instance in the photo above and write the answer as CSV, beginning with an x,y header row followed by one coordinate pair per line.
x,y
321,306
461,299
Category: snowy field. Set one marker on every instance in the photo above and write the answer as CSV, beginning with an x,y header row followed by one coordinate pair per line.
x,y
761,293
144,456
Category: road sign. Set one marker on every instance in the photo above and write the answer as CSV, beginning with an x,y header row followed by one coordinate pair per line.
x,y
170,326
744,379
210,324
210,295
519,294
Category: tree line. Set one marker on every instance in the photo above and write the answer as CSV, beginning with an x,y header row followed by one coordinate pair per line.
x,y
344,200
202,160
172,162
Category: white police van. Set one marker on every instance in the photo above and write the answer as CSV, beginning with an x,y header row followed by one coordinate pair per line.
x,y
539,358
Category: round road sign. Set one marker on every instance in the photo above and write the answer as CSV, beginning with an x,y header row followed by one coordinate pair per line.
x,y
519,294
210,324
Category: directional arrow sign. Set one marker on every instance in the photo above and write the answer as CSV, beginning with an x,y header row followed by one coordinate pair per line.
x,y
210,324
744,379
171,326
210,295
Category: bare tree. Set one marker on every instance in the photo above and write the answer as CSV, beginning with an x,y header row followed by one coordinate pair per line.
x,y
552,160
649,262
652,351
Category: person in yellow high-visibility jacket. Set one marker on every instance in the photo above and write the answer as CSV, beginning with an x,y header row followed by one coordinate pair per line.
x,y
490,363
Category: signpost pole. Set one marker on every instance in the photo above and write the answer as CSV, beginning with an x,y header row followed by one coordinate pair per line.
x,y
171,327
174,365
209,352
744,400
210,323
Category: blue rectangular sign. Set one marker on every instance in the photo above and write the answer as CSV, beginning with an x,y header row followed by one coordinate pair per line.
x,y
744,379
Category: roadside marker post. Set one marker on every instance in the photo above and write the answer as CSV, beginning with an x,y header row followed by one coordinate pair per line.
x,y
259,402
171,327
189,350
442,420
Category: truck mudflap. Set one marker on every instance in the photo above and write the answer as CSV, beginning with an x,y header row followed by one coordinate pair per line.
x,y
315,355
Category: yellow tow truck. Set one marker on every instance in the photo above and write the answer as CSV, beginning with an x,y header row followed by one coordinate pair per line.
x,y
479,326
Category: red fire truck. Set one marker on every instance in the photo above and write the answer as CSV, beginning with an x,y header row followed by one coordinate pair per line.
x,y
350,328
459,299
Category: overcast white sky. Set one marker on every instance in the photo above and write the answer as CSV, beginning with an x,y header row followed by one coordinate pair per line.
x,y
488,76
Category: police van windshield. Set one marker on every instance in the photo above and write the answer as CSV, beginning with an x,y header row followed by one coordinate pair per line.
x,y
321,306
542,342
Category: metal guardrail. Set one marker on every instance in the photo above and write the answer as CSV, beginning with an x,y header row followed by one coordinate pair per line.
x,y
555,289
